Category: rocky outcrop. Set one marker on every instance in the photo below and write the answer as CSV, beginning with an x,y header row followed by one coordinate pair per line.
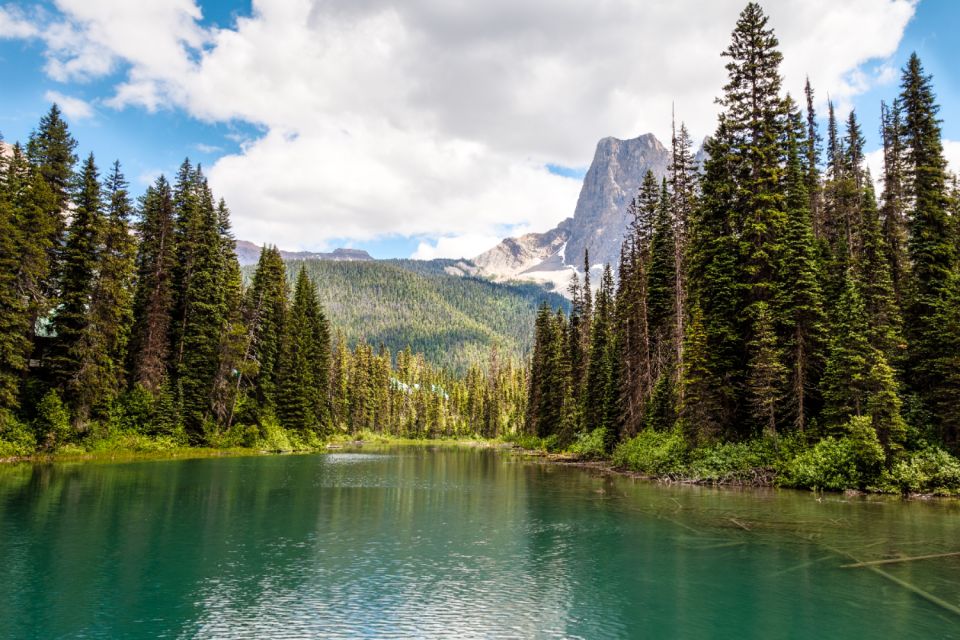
x,y
599,220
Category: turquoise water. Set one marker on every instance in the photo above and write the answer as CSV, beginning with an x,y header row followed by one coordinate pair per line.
x,y
445,542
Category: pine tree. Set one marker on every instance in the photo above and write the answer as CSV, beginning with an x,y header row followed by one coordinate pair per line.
x,y
766,373
234,351
945,398
812,151
154,296
305,362
201,313
683,186
893,213
32,202
800,304
73,355
931,244
661,289
111,311
14,321
265,309
51,149
846,376
873,272
600,400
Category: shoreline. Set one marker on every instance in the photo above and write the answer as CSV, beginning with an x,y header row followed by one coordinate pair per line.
x,y
606,467
762,481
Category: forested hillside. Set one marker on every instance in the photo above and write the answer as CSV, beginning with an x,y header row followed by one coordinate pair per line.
x,y
452,320
128,325
771,312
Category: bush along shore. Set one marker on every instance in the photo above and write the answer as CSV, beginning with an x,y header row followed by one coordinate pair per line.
x,y
854,462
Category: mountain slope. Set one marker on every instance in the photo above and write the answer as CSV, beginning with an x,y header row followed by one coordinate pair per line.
x,y
452,319
598,223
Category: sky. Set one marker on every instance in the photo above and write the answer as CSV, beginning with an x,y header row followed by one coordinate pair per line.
x,y
424,128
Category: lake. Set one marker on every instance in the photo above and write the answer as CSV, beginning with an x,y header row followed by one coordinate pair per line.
x,y
439,542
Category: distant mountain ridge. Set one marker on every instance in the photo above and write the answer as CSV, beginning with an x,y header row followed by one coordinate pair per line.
x,y
249,252
599,221
434,306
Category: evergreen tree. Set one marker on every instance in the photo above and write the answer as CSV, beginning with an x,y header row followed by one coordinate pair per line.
x,y
106,332
265,310
893,213
305,363
800,305
766,373
73,354
661,287
931,243
945,398
154,296
812,152
201,312
14,325
32,201
846,376
873,272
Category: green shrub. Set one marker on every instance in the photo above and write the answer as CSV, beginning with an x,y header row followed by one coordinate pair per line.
x,y
273,437
52,423
653,452
930,470
135,410
733,461
590,445
849,462
16,438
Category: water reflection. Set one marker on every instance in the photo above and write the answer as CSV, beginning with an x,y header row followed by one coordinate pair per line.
x,y
439,542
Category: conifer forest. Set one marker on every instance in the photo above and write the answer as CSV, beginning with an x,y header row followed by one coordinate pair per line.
x,y
778,314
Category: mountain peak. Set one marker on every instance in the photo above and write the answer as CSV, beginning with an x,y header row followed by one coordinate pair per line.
x,y
599,221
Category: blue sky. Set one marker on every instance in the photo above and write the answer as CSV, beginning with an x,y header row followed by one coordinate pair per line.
x,y
394,150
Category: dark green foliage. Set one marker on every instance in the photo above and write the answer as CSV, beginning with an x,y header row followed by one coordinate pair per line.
x,y
800,307
77,352
265,308
305,362
601,389
853,460
650,452
200,310
154,296
931,243
14,320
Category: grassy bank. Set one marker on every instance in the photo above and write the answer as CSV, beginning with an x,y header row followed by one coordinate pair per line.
x,y
136,446
853,461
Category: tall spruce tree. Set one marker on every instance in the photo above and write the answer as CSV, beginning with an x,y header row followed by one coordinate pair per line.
x,y
112,309
305,362
931,244
201,313
265,310
154,296
72,352
800,310
893,209
14,323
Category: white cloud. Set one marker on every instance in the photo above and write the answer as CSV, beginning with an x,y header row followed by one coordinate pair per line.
x,y
460,246
74,108
951,150
14,24
438,118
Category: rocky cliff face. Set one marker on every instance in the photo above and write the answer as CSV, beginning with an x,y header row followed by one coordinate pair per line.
x,y
599,220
